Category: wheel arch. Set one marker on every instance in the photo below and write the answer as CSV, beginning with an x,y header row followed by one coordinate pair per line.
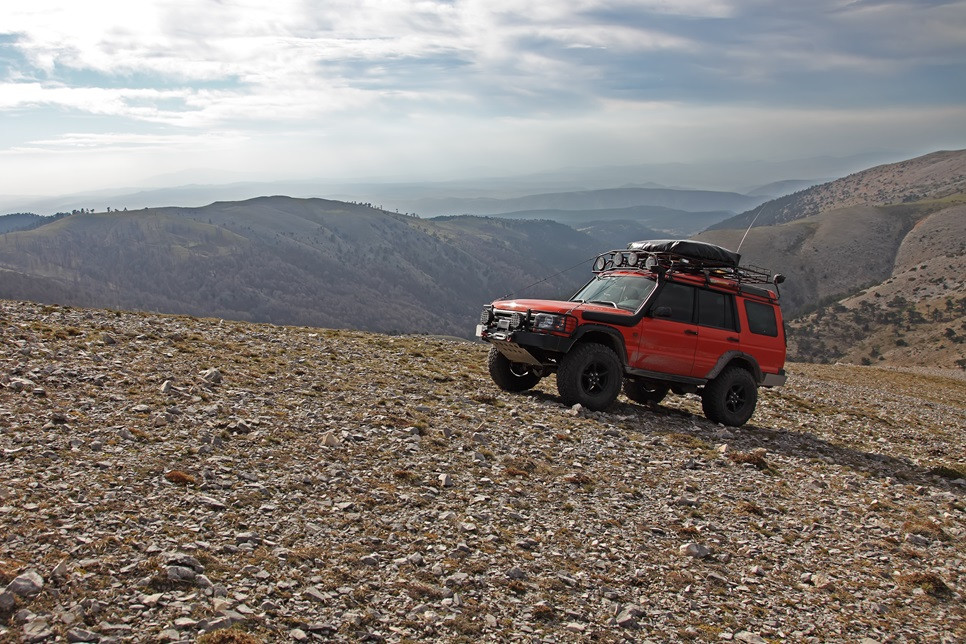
x,y
737,359
603,335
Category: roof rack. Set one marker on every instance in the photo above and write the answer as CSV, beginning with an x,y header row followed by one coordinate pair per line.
x,y
684,256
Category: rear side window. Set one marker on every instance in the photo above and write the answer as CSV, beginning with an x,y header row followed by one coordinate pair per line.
x,y
716,309
761,318
679,298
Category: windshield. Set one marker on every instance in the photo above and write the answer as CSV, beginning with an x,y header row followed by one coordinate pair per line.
x,y
626,292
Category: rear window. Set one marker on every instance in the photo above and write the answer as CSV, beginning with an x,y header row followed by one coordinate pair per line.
x,y
761,318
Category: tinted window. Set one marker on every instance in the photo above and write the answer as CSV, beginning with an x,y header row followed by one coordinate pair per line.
x,y
679,298
716,309
761,318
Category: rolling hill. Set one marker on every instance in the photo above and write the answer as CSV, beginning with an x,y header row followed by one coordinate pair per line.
x,y
293,261
663,222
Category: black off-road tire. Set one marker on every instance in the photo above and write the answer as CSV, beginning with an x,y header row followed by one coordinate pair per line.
x,y
591,375
730,398
510,376
643,392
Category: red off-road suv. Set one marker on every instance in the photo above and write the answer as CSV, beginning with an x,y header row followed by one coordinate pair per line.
x,y
659,316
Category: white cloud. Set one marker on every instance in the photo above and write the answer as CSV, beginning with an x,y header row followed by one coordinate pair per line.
x,y
245,84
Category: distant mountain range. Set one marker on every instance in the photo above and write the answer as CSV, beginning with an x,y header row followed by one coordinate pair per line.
x,y
682,200
199,187
882,251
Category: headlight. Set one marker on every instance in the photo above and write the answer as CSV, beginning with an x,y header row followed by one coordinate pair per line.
x,y
516,321
486,315
550,323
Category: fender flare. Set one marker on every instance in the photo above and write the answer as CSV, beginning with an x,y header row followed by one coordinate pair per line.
x,y
741,357
615,336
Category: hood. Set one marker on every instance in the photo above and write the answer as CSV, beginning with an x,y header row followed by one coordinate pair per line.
x,y
552,306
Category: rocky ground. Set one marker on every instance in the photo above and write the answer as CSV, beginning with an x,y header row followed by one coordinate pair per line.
x,y
163,477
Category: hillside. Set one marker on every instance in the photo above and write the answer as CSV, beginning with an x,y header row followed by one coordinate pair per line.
x,y
869,283
931,176
917,316
166,476
293,261
875,263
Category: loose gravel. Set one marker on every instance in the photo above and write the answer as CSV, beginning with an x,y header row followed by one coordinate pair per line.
x,y
165,477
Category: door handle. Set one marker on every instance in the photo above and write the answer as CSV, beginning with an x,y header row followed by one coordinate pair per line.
x,y
732,338
690,332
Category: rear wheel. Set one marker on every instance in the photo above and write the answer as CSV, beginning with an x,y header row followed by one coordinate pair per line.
x,y
644,392
510,376
730,398
591,375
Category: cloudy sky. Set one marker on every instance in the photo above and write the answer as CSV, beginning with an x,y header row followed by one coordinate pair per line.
x,y
109,93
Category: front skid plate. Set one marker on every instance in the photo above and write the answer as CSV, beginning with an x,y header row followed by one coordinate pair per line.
x,y
515,353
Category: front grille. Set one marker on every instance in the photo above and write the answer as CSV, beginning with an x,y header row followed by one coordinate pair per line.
x,y
508,320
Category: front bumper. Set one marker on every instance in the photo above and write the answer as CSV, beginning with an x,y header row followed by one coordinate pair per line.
x,y
525,346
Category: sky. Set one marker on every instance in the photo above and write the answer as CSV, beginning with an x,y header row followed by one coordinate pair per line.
x,y
107,93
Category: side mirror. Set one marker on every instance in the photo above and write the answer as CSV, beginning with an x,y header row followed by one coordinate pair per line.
x,y
662,312
778,279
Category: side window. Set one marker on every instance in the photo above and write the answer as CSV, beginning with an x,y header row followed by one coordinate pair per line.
x,y
761,318
716,309
679,298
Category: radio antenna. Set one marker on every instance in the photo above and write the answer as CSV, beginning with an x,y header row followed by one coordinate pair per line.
x,y
760,208
547,278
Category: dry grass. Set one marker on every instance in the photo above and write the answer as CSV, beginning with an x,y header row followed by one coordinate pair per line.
x,y
180,478
750,507
9,570
947,472
925,528
228,636
579,479
755,457
931,583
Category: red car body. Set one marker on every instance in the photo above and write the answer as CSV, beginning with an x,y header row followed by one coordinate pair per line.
x,y
674,321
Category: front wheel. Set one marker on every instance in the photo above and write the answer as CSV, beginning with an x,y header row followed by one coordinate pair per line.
x,y
510,376
730,398
591,375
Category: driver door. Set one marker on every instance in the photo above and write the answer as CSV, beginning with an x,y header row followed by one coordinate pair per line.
x,y
668,334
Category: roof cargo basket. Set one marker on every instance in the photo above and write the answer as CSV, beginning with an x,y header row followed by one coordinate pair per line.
x,y
668,256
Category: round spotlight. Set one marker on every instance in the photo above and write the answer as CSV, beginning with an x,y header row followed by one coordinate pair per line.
x,y
600,264
516,320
